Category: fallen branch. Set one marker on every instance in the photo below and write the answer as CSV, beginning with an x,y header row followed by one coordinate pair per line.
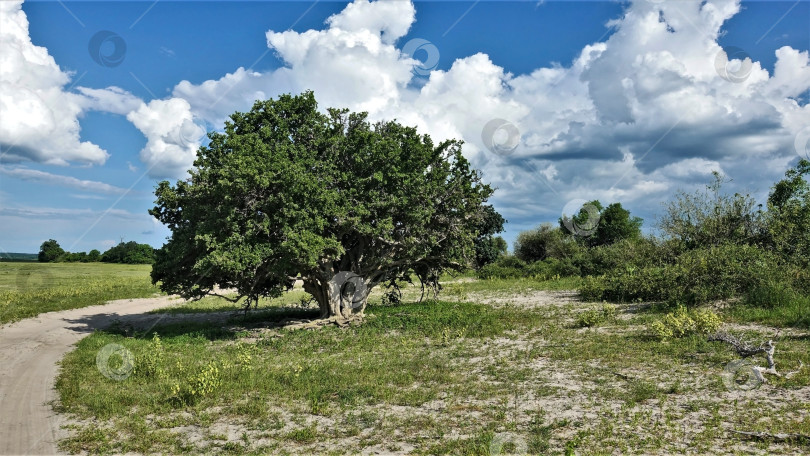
x,y
745,350
768,436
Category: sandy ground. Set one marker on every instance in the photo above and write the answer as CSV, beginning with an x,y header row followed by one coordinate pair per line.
x,y
29,352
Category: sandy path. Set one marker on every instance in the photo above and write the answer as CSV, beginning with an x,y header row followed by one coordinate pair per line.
x,y
29,352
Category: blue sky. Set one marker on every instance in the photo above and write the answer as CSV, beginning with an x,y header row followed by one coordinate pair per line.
x,y
616,101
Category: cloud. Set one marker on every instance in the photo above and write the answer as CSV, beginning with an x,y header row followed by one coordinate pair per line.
x,y
172,136
42,177
652,108
51,213
86,196
40,118
352,63
112,99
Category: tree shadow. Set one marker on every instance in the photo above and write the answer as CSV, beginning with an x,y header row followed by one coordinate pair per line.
x,y
211,326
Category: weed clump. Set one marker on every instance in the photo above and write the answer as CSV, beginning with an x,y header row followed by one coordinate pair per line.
x,y
596,316
150,363
198,385
683,322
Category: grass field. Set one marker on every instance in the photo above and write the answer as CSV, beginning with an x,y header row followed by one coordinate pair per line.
x,y
495,367
28,289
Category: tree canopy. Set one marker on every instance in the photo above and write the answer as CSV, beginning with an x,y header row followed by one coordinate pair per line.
x,y
50,251
129,252
489,247
596,225
710,217
545,241
789,214
288,192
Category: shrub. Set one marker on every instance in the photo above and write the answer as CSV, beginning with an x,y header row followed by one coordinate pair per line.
x,y
723,272
683,322
545,241
506,267
596,316
511,261
789,215
637,253
551,267
632,284
698,276
711,218
771,294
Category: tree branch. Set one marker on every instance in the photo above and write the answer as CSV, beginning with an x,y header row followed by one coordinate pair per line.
x,y
746,350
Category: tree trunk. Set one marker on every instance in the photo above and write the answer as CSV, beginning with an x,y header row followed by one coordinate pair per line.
x,y
338,297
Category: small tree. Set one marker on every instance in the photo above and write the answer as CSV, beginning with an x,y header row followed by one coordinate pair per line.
x,y
50,251
584,223
615,224
94,255
596,225
288,193
789,214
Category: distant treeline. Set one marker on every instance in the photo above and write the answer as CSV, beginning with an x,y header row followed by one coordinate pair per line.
x,y
126,252
11,256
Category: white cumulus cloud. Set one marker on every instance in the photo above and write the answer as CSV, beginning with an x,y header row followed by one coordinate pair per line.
x,y
172,136
656,106
38,117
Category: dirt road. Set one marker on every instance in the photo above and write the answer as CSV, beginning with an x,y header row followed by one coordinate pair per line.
x,y
29,352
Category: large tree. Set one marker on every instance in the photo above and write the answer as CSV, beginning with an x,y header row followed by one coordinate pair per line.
x,y
50,251
287,193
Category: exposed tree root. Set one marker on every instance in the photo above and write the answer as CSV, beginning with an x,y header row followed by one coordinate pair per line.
x,y
776,437
746,350
293,324
623,377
